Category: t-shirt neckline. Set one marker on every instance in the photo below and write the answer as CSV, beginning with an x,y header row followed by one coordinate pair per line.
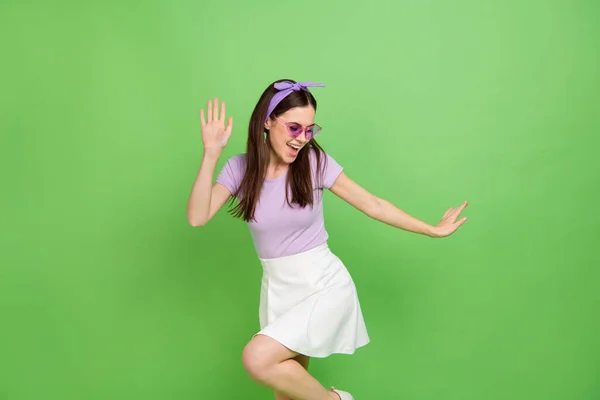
x,y
281,176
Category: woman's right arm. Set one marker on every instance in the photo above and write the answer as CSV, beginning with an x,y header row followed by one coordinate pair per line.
x,y
206,199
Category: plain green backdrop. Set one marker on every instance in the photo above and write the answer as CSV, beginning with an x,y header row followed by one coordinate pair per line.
x,y
107,293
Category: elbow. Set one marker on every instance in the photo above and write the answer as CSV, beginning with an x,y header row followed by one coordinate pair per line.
x,y
196,222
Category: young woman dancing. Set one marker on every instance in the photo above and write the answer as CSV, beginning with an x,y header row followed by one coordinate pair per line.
x,y
308,304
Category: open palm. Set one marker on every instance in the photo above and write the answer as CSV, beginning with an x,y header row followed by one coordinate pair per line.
x,y
450,222
215,134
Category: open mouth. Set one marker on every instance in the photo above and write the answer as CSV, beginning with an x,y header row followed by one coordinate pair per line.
x,y
294,146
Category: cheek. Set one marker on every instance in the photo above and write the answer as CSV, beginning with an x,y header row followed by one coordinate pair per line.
x,y
279,139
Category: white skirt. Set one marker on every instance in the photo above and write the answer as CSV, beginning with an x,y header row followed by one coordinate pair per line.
x,y
309,304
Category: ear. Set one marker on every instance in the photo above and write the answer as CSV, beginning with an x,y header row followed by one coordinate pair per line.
x,y
268,124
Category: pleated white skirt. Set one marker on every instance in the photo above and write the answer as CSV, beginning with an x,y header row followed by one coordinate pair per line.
x,y
309,303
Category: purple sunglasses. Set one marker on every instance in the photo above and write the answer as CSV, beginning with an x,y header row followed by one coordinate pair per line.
x,y
295,129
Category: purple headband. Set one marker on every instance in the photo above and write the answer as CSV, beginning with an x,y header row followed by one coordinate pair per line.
x,y
285,88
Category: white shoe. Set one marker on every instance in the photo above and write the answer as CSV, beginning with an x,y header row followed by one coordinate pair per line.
x,y
343,395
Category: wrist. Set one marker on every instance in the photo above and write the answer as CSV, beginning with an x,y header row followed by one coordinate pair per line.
x,y
431,231
211,155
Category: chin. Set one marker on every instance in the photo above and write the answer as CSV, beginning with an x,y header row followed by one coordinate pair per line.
x,y
289,159
288,156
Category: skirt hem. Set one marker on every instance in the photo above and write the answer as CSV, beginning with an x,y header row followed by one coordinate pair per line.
x,y
313,352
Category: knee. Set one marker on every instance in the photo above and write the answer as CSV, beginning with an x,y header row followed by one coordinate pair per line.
x,y
255,363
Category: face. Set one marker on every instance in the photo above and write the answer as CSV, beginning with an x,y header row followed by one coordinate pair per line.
x,y
284,144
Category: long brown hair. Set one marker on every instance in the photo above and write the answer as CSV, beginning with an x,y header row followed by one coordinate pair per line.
x,y
299,178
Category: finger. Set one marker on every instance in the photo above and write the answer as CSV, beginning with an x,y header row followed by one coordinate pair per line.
x,y
229,127
223,111
209,114
461,207
450,210
460,222
202,120
458,210
216,110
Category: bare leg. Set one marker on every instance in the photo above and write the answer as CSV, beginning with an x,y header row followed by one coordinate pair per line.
x,y
273,365
302,360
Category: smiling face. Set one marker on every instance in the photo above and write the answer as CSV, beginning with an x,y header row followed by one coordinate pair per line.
x,y
284,146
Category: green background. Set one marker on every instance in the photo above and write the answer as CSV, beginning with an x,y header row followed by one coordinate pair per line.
x,y
107,293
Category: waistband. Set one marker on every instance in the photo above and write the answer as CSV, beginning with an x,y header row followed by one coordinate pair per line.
x,y
315,253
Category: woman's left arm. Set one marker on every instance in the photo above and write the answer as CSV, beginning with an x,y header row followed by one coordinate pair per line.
x,y
384,211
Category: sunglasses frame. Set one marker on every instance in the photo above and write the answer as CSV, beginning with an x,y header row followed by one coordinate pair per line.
x,y
304,128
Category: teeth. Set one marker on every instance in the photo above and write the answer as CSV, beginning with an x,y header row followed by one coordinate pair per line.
x,y
293,146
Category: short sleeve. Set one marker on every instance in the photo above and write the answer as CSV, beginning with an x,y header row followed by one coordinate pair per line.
x,y
330,170
232,173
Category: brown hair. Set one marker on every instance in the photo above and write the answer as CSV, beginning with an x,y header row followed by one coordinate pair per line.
x,y
299,178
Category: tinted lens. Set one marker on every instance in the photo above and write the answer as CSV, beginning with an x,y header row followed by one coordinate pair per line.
x,y
295,129
313,131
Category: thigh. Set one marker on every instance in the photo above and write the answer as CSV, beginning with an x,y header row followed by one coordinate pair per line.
x,y
263,351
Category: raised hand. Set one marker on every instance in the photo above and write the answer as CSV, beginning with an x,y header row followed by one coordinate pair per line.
x,y
215,134
450,222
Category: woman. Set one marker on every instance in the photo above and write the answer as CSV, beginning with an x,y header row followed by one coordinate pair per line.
x,y
308,302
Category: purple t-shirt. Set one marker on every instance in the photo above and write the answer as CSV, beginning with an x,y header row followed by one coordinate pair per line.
x,y
278,229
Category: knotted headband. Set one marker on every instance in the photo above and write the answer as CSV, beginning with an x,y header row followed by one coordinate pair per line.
x,y
285,88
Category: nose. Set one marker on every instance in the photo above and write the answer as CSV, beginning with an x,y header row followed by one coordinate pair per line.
x,y
302,137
